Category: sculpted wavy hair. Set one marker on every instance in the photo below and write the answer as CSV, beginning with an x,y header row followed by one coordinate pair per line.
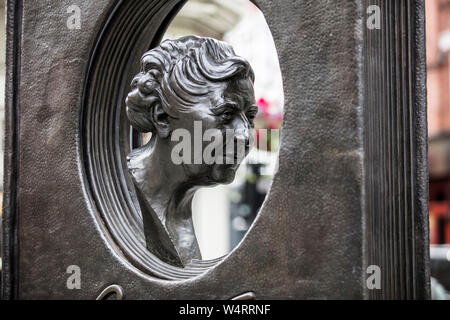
x,y
176,72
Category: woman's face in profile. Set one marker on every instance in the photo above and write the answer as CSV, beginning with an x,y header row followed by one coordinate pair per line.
x,y
228,110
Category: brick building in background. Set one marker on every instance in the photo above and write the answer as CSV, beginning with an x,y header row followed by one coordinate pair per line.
x,y
438,52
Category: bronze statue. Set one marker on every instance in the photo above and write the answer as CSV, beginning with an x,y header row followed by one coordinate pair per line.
x,y
182,82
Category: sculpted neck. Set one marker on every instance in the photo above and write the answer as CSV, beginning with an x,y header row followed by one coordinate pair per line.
x,y
168,191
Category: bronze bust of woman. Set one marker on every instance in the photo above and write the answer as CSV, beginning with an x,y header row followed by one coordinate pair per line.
x,y
186,85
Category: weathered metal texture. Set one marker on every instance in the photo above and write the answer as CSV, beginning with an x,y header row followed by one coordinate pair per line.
x,y
308,240
395,131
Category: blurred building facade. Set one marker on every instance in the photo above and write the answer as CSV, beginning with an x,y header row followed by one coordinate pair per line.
x,y
438,63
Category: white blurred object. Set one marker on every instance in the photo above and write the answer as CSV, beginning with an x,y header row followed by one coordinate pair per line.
x,y
440,252
206,18
438,291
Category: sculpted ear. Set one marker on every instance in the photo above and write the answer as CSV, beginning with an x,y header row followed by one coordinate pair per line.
x,y
160,120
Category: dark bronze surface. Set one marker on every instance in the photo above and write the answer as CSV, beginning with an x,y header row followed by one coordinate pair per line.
x,y
68,200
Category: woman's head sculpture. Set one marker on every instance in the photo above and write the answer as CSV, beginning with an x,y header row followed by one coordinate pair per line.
x,y
195,96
